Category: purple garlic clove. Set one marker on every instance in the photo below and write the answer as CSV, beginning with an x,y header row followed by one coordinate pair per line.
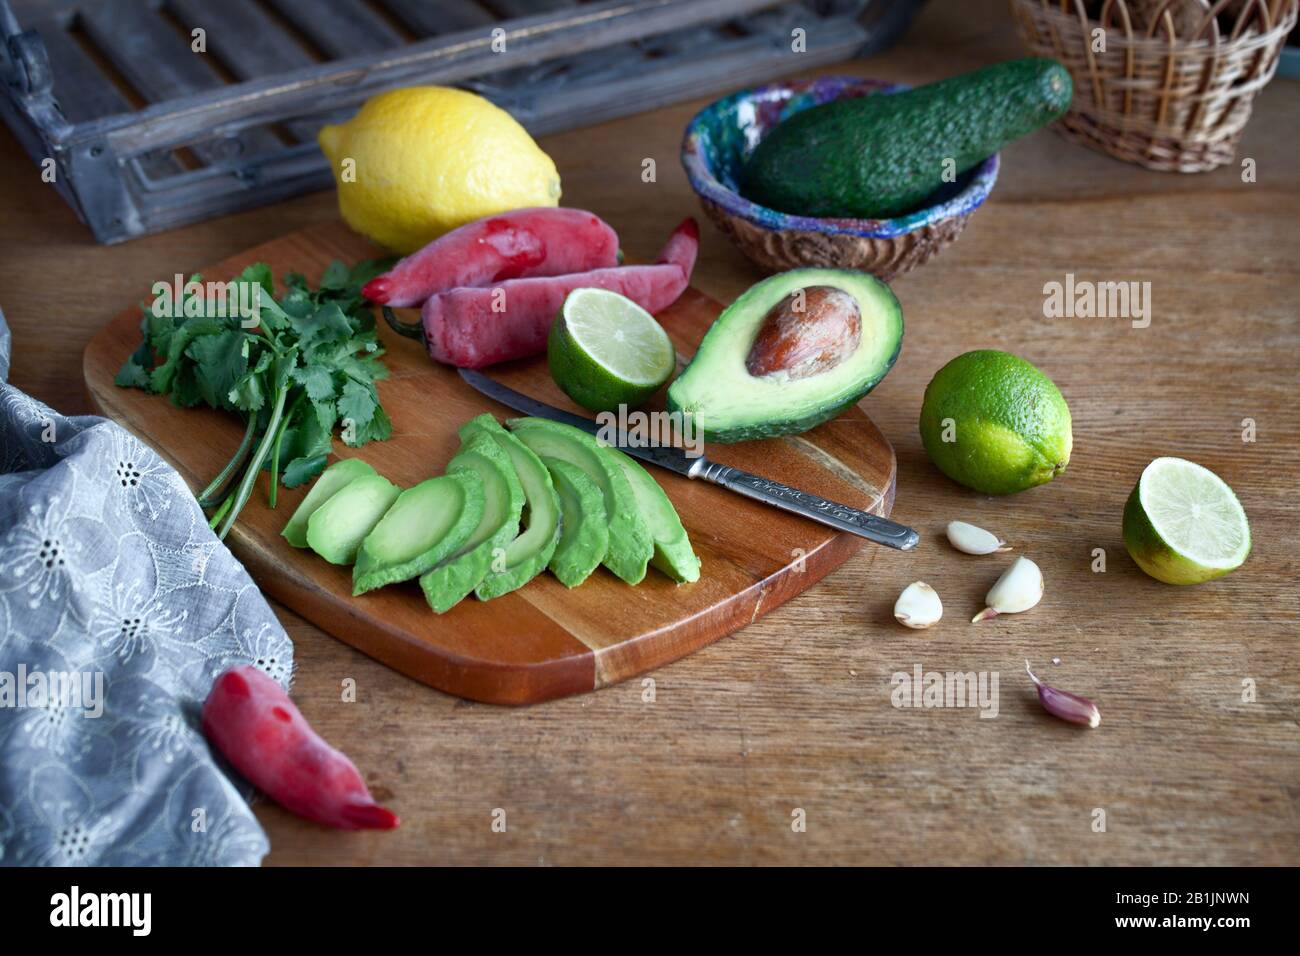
x,y
1063,704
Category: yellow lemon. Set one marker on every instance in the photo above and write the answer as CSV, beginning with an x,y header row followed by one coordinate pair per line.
x,y
417,162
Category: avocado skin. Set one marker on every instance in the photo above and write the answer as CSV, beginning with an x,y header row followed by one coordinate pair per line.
x,y
881,156
778,427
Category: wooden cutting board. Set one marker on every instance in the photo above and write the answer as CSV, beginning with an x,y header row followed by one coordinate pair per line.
x,y
544,640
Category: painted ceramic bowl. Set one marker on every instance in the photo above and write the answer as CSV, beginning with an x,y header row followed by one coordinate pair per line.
x,y
721,138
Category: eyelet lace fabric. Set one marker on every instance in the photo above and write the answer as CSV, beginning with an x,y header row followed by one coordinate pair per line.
x,y
115,596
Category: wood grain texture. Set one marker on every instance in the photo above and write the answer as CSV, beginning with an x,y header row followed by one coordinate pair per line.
x,y
544,640
794,711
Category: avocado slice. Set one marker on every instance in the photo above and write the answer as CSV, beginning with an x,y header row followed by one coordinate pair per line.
x,y
526,555
336,529
425,524
584,526
503,497
630,544
884,155
331,480
795,350
673,554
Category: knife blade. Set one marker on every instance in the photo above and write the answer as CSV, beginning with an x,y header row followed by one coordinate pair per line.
x,y
774,493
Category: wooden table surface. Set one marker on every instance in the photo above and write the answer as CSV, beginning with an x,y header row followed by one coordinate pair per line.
x,y
794,712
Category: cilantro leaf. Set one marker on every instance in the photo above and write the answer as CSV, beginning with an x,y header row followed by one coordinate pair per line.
x,y
317,380
221,360
302,470
357,403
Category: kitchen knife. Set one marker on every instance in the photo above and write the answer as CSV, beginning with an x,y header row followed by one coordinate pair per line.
x,y
842,517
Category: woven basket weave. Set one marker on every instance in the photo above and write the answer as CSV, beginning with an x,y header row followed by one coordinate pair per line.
x,y
1154,97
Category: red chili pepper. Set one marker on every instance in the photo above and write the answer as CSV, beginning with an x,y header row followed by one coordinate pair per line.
x,y
518,244
250,719
474,327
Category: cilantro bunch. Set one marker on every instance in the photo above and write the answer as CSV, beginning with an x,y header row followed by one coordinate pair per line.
x,y
309,363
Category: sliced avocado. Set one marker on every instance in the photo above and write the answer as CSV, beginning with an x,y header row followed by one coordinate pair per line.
x,y
525,557
630,543
584,526
795,350
425,524
331,480
336,529
884,155
673,553
503,497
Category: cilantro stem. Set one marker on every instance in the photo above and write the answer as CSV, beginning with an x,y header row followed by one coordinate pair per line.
x,y
221,512
275,448
208,496
245,489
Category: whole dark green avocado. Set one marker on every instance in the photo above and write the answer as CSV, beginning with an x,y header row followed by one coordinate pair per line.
x,y
880,156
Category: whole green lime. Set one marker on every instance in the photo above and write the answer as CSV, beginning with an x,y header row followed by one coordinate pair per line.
x,y
993,422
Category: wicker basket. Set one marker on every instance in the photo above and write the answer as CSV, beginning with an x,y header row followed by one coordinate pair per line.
x,y
1172,89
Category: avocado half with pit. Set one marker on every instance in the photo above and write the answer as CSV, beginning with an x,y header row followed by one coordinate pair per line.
x,y
795,350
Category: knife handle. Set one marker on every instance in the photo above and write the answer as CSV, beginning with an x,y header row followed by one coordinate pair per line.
x,y
842,517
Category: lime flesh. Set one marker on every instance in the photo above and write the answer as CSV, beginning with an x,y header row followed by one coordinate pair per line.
x,y
605,350
1183,524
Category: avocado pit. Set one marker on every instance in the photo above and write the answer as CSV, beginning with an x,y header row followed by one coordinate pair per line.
x,y
808,332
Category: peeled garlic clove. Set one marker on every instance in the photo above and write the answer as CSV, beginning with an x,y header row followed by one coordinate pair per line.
x,y
972,540
1019,589
918,606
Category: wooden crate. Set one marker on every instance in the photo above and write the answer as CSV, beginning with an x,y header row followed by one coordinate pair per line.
x,y
146,133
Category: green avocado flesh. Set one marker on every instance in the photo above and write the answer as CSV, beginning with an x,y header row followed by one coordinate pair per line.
x,y
503,500
584,526
526,555
729,403
884,155
336,529
630,544
673,554
426,524
331,480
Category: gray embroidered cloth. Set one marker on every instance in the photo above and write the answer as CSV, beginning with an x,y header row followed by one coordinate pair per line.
x,y
118,606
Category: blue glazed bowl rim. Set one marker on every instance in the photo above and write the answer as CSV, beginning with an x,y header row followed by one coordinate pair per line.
x,y
700,173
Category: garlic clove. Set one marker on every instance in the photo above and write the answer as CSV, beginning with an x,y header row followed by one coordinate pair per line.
x,y
1019,589
1063,704
918,606
972,540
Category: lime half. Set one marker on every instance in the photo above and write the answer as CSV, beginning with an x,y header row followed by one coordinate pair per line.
x,y
1183,524
606,351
